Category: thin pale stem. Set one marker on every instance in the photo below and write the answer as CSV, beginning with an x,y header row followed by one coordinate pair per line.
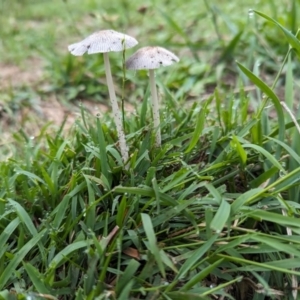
x,y
116,111
155,108
262,107
281,68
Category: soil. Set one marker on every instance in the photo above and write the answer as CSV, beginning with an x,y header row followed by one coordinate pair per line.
x,y
12,76
46,109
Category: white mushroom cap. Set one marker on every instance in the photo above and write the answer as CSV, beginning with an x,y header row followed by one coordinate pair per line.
x,y
103,41
151,58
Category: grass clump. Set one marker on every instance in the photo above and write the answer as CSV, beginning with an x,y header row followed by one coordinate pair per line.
x,y
211,213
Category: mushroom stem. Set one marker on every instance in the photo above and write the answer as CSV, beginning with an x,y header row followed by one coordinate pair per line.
x,y
155,108
116,110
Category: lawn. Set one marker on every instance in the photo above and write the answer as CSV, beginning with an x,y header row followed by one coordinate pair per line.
x,y
211,213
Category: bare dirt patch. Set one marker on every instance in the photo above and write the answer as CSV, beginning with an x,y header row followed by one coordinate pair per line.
x,y
12,76
54,111
45,108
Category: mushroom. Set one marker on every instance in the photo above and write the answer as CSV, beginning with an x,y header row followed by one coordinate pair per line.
x,y
105,41
150,58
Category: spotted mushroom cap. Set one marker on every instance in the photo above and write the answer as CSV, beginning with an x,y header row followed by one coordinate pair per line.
x,y
151,58
103,41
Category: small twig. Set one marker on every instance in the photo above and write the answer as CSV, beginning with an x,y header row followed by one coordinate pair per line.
x,y
291,115
293,277
112,233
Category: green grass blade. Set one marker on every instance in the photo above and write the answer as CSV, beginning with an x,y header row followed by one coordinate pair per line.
x,y
229,49
127,275
293,41
273,217
222,286
62,255
9,229
288,149
267,154
91,213
289,85
170,213
36,279
198,130
275,244
60,210
280,116
253,265
121,214
235,144
201,275
221,217
244,198
102,152
34,178
18,257
152,242
196,256
125,292
214,192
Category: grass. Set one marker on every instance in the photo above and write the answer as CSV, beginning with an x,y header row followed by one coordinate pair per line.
x,y
212,214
